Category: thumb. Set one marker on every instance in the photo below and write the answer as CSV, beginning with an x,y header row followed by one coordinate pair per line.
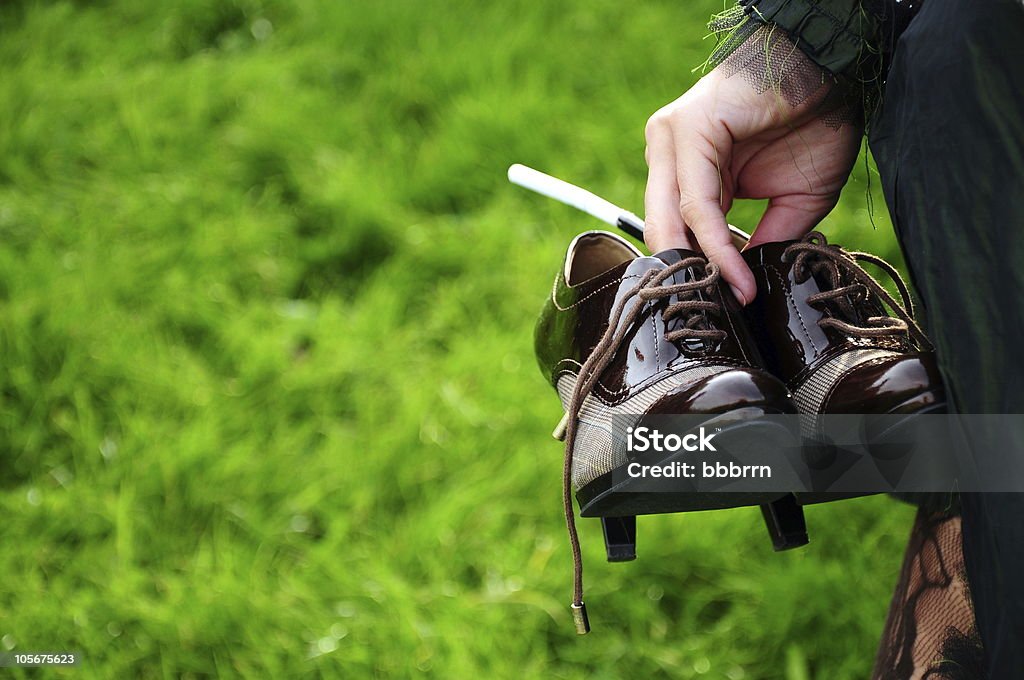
x,y
790,217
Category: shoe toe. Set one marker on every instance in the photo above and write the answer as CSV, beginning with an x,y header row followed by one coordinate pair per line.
x,y
727,391
905,384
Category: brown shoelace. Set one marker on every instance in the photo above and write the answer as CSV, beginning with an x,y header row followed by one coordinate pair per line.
x,y
851,286
688,306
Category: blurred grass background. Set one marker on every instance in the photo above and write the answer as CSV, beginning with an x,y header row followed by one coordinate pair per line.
x,y
268,403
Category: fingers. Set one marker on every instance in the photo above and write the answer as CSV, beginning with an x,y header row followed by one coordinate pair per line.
x,y
685,201
663,225
704,198
723,140
712,233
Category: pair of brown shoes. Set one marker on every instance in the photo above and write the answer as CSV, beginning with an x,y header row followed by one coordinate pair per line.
x,y
624,335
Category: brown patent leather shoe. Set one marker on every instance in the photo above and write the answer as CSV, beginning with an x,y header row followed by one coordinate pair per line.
x,y
626,335
822,326
679,346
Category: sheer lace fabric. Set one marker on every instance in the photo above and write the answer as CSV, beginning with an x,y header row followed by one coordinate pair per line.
x,y
930,633
843,70
768,60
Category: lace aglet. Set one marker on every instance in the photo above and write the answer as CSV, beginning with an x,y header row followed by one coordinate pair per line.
x,y
560,429
580,619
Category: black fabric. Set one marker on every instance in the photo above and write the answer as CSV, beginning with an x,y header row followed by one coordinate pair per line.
x,y
831,33
949,143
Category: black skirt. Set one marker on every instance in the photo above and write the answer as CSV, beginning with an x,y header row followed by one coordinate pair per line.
x,y
949,143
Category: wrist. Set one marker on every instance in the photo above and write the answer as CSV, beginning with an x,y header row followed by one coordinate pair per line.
x,y
786,83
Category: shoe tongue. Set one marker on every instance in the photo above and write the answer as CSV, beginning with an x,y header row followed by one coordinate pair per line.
x,y
660,260
766,253
673,255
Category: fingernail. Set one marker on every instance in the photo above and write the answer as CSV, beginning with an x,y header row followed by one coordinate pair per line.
x,y
738,295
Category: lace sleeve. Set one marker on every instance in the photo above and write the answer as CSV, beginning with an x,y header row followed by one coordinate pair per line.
x,y
835,52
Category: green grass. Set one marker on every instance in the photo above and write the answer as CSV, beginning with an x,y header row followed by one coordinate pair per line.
x,y
268,403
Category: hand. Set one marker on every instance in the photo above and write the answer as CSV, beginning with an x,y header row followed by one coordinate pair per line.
x,y
722,140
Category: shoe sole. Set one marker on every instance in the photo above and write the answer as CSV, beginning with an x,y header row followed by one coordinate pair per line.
x,y
614,494
884,446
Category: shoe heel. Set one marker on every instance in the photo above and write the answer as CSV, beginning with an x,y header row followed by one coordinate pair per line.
x,y
785,521
619,538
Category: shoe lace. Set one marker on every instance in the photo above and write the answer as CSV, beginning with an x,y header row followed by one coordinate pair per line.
x,y
695,327
851,286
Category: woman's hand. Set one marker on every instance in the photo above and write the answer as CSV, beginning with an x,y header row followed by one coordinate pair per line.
x,y
723,140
